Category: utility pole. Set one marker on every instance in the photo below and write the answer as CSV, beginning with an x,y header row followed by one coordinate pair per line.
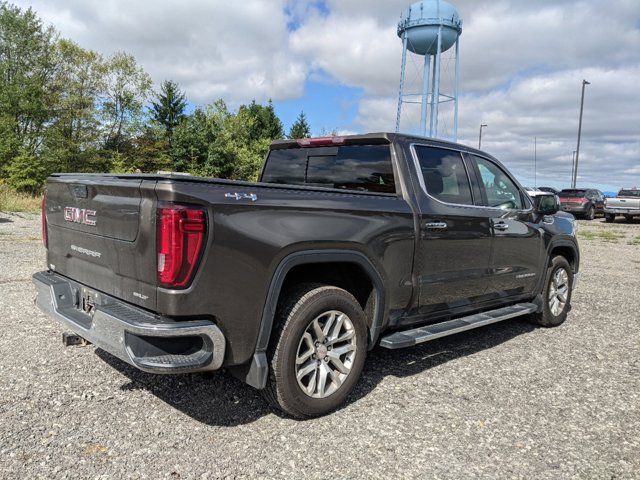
x,y
575,171
480,136
573,166
535,161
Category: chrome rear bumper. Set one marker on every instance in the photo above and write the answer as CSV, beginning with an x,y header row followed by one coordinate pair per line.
x,y
149,342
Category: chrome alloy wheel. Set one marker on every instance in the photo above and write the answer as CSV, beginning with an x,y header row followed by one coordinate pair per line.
x,y
325,354
558,291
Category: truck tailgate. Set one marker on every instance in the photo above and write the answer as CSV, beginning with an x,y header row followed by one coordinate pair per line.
x,y
101,233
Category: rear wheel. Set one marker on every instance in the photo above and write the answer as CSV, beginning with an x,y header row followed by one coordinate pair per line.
x,y
591,213
609,217
628,218
556,294
318,351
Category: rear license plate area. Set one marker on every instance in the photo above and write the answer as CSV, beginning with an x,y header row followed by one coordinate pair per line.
x,y
87,300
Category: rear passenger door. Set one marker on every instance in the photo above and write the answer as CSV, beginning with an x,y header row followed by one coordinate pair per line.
x,y
454,246
517,241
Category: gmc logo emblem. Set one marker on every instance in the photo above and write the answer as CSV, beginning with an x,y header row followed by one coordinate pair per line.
x,y
80,215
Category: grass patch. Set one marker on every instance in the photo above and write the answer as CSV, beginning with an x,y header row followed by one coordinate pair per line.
x,y
12,201
611,236
587,234
634,241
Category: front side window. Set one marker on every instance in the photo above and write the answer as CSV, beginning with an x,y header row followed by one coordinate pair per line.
x,y
444,174
501,191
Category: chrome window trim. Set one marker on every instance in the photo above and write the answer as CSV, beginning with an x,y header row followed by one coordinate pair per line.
x,y
416,164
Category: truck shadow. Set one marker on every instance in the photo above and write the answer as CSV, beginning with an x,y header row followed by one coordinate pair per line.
x,y
221,400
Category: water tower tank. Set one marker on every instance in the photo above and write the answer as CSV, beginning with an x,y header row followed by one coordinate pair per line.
x,y
421,22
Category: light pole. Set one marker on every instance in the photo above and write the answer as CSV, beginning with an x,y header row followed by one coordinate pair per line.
x,y
535,162
480,135
575,170
573,166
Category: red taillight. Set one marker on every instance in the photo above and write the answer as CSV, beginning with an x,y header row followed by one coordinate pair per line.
x,y
320,141
180,238
43,215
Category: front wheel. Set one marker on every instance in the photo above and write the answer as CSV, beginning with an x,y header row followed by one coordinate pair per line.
x,y
318,351
591,213
556,295
609,217
628,218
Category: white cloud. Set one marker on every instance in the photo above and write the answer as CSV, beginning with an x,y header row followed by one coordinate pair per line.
x,y
522,63
212,48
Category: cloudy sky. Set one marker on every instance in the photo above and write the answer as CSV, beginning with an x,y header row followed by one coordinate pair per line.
x,y
522,64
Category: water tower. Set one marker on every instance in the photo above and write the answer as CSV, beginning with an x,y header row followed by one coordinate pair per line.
x,y
428,28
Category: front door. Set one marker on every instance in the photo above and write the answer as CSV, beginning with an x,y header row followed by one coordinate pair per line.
x,y
452,261
518,244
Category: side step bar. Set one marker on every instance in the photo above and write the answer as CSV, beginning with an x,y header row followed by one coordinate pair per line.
x,y
409,338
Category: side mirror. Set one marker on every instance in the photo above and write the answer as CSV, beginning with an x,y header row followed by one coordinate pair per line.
x,y
546,204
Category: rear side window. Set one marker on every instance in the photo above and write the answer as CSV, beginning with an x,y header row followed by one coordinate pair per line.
x,y
444,174
354,167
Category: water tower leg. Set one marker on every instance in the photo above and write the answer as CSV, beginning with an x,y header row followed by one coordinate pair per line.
x,y
435,95
432,99
425,93
402,70
455,92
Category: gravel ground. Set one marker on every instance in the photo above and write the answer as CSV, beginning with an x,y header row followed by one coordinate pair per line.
x,y
505,401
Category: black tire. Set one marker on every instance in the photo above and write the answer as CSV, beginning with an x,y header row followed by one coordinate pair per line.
x,y
591,213
628,218
609,217
547,318
299,308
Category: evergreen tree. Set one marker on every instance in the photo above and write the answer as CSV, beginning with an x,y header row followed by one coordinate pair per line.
x,y
265,124
300,128
169,108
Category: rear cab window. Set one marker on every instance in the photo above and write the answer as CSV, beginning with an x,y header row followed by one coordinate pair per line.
x,y
629,193
364,168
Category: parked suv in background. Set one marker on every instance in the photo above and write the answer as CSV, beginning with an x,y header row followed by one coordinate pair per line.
x,y
582,202
345,243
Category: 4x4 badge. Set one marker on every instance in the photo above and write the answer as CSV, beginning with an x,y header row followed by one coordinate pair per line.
x,y
240,196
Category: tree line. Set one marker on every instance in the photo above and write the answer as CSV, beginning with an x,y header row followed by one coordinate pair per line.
x,y
64,108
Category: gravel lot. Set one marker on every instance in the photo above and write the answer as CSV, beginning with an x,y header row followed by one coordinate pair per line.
x,y
506,401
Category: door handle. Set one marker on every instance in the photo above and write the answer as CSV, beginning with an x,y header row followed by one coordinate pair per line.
x,y
501,226
436,225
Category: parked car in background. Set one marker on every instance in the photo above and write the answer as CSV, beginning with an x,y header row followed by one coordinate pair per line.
x,y
582,202
555,191
627,204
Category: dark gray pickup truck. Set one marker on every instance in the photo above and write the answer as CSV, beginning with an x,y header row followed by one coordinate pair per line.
x,y
345,243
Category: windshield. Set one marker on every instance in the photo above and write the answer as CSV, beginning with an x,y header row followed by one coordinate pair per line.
x,y
572,193
629,193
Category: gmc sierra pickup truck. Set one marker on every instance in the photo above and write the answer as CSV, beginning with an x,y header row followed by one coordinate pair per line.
x,y
345,243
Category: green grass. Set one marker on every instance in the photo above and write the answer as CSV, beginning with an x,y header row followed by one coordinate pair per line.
x,y
611,236
587,234
12,201
634,241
